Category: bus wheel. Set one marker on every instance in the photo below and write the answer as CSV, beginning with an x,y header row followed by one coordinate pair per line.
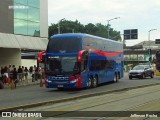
x,y
95,82
89,82
115,78
119,76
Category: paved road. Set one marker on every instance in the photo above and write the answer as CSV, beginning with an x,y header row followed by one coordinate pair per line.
x,y
131,101
34,94
122,105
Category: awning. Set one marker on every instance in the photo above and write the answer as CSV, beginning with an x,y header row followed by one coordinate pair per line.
x,y
22,42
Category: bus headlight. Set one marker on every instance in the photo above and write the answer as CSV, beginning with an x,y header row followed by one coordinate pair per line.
x,y
73,81
48,81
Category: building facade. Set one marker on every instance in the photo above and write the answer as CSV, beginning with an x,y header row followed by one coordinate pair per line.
x,y
139,53
23,27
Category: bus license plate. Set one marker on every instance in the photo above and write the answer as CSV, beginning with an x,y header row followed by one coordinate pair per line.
x,y
60,86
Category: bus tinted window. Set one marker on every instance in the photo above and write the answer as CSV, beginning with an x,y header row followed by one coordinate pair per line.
x,y
61,65
101,64
64,45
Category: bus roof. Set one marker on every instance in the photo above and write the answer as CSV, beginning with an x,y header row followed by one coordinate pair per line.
x,y
81,35
68,35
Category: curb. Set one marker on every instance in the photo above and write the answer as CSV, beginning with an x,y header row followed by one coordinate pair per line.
x,y
23,85
22,107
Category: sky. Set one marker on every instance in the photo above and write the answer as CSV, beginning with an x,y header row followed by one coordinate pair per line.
x,y
143,15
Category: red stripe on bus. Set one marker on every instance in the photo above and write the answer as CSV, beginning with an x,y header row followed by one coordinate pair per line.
x,y
101,53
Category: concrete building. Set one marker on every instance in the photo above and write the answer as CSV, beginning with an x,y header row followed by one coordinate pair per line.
x,y
23,27
139,53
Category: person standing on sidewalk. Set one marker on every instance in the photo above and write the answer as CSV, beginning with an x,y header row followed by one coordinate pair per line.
x,y
15,80
6,79
20,74
26,74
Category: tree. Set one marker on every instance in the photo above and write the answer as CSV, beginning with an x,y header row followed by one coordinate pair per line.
x,y
91,29
68,26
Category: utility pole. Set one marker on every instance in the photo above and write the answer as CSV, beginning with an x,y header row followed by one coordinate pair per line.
x,y
59,25
108,23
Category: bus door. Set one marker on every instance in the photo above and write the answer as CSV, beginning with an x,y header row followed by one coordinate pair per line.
x,y
83,55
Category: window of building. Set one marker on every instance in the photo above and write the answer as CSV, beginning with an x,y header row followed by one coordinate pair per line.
x,y
20,13
20,26
23,2
33,28
34,14
27,19
34,3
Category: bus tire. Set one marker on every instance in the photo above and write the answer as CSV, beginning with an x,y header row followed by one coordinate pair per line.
x,y
95,81
119,76
115,78
89,83
92,82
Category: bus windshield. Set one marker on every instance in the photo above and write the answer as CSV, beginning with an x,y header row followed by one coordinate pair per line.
x,y
61,65
64,44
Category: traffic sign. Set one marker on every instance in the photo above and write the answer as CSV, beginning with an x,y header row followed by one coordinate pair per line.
x,y
157,41
130,34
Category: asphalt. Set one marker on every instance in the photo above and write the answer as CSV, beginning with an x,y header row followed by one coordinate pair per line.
x,y
118,104
22,107
29,82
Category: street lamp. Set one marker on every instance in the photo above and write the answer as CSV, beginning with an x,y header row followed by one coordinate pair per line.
x,y
149,37
59,25
109,21
149,42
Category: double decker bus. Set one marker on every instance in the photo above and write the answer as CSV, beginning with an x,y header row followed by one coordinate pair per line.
x,y
76,60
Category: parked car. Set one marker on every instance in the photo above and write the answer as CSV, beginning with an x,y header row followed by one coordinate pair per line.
x,y
141,71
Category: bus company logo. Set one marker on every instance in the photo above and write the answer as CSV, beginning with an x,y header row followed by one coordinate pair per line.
x,y
57,78
6,114
62,51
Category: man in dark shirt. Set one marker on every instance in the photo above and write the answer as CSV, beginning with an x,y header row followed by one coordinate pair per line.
x,y
15,76
20,73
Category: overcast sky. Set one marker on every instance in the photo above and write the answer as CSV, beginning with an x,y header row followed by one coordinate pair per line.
x,y
143,15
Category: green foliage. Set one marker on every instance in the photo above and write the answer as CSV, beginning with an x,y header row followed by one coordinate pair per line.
x,y
67,26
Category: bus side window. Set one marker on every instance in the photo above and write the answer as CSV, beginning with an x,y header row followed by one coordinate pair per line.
x,y
83,65
84,61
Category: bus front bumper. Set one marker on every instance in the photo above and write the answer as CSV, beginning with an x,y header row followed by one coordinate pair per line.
x,y
51,84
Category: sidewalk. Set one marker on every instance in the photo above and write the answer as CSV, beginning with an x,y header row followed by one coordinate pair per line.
x,y
22,83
